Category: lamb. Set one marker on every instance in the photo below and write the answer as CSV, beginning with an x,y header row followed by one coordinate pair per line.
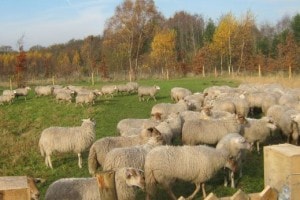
x,y
130,156
88,189
85,98
257,130
165,164
22,92
178,93
210,131
6,99
101,147
150,91
43,90
67,139
161,111
109,90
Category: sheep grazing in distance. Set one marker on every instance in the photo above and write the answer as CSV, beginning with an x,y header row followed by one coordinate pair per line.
x,y
85,98
101,147
178,93
130,156
132,126
9,92
67,139
6,99
22,92
88,188
150,91
43,90
109,90
257,130
165,164
210,131
64,96
133,86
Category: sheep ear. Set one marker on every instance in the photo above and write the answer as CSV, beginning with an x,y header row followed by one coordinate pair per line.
x,y
129,173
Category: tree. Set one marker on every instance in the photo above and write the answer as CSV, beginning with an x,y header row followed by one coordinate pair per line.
x,y
20,65
209,31
163,48
295,24
222,39
132,25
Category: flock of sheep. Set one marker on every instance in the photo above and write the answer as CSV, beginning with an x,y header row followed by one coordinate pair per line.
x,y
190,139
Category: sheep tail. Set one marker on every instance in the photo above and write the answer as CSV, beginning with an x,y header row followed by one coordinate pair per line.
x,y
92,161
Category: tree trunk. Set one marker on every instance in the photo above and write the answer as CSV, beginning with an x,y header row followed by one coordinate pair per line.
x,y
259,71
290,71
203,71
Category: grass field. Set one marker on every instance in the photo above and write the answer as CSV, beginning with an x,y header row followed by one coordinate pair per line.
x,y
22,122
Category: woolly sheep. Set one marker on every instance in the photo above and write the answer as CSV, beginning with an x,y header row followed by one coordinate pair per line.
x,y
60,90
6,99
161,111
123,88
22,92
283,120
9,92
178,93
236,145
195,100
132,126
130,156
85,98
101,147
43,90
165,164
88,189
133,86
150,91
63,96
67,139
269,100
257,130
109,90
210,131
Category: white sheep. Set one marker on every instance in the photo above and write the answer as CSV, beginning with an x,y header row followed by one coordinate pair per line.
x,y
22,92
165,164
130,156
161,111
109,90
43,90
210,131
6,99
258,130
64,96
178,93
101,147
67,139
88,188
123,88
150,91
9,92
133,86
132,126
85,98
195,100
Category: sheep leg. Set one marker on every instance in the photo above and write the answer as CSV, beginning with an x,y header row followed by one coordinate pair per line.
x,y
203,190
225,178
257,147
49,161
169,191
198,186
79,160
232,179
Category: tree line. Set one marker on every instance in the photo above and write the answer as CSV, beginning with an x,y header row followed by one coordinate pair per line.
x,y
139,40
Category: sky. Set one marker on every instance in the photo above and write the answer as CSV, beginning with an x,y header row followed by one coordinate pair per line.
x,y
48,22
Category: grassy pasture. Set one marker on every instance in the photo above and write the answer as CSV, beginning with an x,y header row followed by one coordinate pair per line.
x,y
22,122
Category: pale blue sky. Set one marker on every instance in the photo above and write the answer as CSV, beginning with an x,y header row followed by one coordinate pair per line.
x,y
47,22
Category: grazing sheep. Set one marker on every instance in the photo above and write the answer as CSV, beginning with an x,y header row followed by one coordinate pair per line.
x,y
210,131
85,98
195,100
22,92
109,90
64,96
178,93
6,99
131,126
130,156
150,91
101,147
236,145
257,130
75,88
133,86
9,92
161,111
43,90
165,164
64,90
88,189
123,89
67,139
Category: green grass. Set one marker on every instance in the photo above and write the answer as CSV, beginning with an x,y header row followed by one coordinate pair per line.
x,y
22,122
